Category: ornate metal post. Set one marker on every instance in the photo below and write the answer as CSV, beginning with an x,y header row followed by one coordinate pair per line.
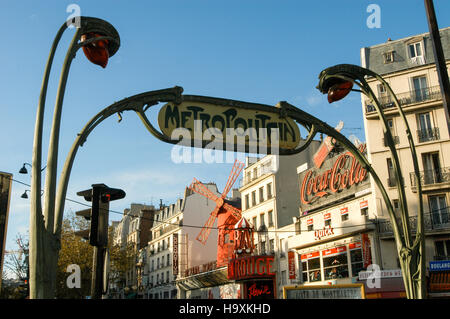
x,y
44,245
411,253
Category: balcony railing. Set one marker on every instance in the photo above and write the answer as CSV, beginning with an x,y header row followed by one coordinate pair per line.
x,y
426,135
410,97
437,220
431,177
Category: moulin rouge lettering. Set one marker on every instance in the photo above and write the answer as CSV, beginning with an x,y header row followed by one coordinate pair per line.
x,y
341,176
253,291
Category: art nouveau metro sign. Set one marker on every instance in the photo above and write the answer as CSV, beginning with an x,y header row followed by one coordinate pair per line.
x,y
228,122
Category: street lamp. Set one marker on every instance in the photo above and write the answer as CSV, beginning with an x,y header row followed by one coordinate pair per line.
x,y
24,170
337,82
99,38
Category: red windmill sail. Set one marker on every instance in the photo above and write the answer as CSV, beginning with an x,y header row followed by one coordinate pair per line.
x,y
226,214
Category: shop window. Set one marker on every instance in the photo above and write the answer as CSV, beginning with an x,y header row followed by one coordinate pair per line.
x,y
335,266
356,258
311,267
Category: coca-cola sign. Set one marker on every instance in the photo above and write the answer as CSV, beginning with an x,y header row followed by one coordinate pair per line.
x,y
338,177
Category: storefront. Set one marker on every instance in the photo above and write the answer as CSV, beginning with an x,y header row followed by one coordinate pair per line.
x,y
336,237
255,275
439,279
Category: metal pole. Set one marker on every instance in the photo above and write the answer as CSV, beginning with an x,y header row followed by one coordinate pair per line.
x,y
97,272
439,58
36,218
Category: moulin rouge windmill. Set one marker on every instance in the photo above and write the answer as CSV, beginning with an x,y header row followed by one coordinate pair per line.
x,y
227,216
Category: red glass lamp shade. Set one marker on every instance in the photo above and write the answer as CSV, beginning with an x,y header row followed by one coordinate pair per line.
x,y
97,51
339,90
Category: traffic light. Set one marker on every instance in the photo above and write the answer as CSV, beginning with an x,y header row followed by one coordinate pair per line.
x,y
100,195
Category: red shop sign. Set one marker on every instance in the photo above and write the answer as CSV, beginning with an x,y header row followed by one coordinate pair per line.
x,y
364,204
310,255
344,210
354,245
309,222
291,263
327,216
334,251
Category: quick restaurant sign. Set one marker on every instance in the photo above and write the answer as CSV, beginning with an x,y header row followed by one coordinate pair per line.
x,y
338,177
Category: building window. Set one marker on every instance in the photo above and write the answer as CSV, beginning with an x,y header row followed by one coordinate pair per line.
x,y
392,181
247,201
311,267
272,246
365,212
261,194
421,91
270,217
356,259
432,173
167,276
269,190
255,173
442,249
310,224
168,260
388,57
157,263
327,219
335,266
344,217
439,210
415,51
425,128
254,223
261,219
253,198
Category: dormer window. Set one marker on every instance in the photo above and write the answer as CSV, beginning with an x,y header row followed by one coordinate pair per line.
x,y
416,53
388,57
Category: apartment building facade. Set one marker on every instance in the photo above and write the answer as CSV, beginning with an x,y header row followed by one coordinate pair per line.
x,y
407,65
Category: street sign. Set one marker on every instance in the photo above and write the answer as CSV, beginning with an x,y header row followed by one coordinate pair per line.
x,y
209,119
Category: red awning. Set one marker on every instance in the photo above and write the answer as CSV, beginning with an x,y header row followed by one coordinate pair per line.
x,y
439,281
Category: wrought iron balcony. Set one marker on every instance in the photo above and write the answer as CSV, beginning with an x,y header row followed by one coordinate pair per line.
x,y
434,221
406,98
426,135
431,177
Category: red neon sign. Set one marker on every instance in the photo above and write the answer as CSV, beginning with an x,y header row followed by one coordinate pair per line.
x,y
250,267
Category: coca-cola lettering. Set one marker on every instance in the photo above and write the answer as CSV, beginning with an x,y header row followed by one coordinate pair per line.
x,y
342,175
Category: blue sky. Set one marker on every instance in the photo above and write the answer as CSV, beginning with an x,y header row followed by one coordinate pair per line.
x,y
252,50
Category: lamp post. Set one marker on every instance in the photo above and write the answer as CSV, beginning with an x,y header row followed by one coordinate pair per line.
x,y
100,41
337,82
